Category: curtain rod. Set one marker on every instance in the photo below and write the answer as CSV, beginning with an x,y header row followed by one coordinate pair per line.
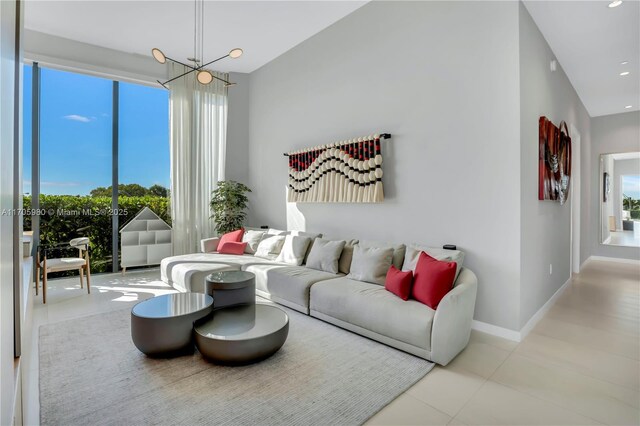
x,y
382,136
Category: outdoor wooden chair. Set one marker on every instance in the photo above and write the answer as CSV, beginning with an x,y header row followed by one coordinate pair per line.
x,y
46,262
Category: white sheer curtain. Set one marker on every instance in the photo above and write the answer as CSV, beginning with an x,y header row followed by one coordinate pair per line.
x,y
198,142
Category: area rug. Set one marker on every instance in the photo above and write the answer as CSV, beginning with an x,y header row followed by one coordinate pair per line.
x,y
91,373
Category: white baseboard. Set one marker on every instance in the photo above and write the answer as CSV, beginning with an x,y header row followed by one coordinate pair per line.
x,y
518,336
524,331
613,259
494,330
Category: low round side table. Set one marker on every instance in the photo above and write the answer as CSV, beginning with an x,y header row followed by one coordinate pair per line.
x,y
229,288
242,334
163,325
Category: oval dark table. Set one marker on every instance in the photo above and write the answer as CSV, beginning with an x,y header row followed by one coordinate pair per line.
x,y
242,334
163,325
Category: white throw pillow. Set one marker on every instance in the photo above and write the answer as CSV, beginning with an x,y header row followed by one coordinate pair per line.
x,y
270,246
370,264
252,238
324,255
294,249
413,253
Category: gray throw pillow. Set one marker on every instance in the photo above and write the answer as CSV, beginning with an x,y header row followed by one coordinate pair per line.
x,y
294,249
311,235
324,255
398,250
270,246
252,238
370,264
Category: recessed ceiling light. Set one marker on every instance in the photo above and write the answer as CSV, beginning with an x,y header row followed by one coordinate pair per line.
x,y
628,106
615,3
623,73
624,62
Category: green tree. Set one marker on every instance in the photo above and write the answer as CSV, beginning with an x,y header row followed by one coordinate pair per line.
x,y
228,204
126,190
158,191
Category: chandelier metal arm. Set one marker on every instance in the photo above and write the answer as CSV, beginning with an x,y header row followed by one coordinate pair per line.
x,y
192,69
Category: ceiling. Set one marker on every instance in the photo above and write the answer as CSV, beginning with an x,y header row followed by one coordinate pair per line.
x,y
263,29
590,40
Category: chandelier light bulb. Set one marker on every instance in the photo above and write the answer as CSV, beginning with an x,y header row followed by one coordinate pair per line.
x,y
204,77
158,55
235,53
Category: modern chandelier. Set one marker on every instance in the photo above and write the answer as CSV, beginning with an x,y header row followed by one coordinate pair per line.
x,y
204,76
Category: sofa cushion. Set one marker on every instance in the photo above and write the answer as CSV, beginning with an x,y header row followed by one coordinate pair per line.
x,y
344,264
399,282
324,255
398,250
373,308
270,246
294,250
413,253
287,283
370,264
272,231
252,238
168,263
433,279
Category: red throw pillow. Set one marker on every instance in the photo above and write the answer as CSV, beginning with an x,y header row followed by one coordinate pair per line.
x,y
399,282
432,280
232,247
231,237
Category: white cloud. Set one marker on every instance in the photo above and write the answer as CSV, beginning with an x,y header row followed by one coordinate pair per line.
x,y
81,118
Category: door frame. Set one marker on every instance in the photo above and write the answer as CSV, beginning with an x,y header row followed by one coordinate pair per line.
x,y
575,200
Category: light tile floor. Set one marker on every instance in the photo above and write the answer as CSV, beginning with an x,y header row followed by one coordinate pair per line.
x,y
579,366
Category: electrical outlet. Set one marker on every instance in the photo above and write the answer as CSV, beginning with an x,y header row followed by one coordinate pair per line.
x,y
550,268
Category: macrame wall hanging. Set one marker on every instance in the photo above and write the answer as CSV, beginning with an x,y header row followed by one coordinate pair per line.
x,y
342,172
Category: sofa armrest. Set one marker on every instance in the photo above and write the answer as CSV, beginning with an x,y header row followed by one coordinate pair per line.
x,y
209,245
452,322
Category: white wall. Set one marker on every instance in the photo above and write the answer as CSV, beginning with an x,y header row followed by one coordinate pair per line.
x,y
238,129
610,134
8,11
545,225
442,77
606,163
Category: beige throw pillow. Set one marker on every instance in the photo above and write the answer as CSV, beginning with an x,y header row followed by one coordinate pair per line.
x,y
252,238
270,246
370,264
294,249
324,255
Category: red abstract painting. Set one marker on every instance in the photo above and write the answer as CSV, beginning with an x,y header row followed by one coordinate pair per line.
x,y
554,161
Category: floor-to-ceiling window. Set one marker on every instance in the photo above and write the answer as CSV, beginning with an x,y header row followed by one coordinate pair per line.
x,y
76,152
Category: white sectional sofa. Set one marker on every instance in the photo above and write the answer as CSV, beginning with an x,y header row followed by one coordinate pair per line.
x,y
364,308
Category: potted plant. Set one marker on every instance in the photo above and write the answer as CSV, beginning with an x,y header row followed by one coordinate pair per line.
x,y
228,205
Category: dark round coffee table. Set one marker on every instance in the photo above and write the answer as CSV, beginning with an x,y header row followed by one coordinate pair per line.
x,y
242,334
230,288
163,325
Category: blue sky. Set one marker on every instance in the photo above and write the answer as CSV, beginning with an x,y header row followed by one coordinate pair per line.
x,y
631,186
75,133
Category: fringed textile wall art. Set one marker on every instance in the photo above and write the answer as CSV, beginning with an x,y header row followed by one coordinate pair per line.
x,y
342,172
554,161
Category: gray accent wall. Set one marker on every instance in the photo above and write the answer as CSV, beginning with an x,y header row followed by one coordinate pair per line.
x,y
238,129
443,78
610,134
545,225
